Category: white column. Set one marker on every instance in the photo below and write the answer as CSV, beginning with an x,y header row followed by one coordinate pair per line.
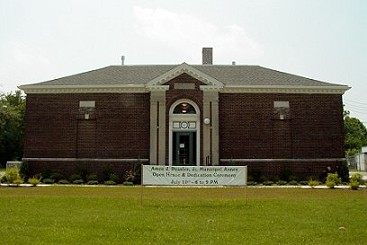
x,y
211,130
157,126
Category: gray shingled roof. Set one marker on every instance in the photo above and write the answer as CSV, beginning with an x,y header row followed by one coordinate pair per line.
x,y
227,74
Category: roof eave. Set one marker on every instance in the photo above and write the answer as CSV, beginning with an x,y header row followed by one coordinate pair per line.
x,y
286,89
60,89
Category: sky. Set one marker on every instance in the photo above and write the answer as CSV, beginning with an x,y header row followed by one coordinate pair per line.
x,y
324,40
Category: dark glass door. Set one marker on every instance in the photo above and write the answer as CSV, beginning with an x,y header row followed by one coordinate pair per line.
x,y
184,148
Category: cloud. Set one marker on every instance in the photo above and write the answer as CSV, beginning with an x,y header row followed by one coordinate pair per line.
x,y
21,63
177,30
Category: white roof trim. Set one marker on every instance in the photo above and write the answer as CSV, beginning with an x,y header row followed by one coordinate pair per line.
x,y
63,89
285,89
185,68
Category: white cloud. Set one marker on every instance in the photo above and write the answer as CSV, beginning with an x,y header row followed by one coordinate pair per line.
x,y
178,30
21,64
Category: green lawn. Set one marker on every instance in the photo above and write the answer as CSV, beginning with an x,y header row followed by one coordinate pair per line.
x,y
115,215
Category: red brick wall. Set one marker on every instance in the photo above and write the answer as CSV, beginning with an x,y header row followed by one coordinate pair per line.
x,y
248,129
52,126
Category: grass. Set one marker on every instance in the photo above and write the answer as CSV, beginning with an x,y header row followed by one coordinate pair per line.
x,y
115,215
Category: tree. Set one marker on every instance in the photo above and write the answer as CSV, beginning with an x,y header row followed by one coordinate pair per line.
x,y
355,134
12,111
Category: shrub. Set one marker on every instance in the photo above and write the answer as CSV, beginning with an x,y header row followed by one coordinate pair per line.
x,y
281,182
285,174
293,177
268,182
34,181
354,185
92,177
78,181
75,177
114,178
344,172
130,176
293,182
303,182
56,176
110,182
106,174
24,170
357,177
128,183
313,183
332,180
3,179
263,179
13,177
92,182
251,183
48,181
63,182
254,174
18,181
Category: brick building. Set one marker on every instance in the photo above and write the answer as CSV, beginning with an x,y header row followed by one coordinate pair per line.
x,y
184,115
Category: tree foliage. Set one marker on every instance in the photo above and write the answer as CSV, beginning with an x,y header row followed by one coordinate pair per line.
x,y
355,134
12,111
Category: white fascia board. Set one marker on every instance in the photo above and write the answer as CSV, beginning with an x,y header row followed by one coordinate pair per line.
x,y
60,89
341,89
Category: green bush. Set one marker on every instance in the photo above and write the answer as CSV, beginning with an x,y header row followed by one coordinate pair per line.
x,y
63,182
354,185
18,181
332,180
3,179
313,183
75,177
128,183
34,181
92,177
114,178
293,177
254,174
285,174
281,182
56,176
303,182
24,170
48,181
92,182
13,177
110,182
293,182
344,172
268,182
251,183
357,177
78,181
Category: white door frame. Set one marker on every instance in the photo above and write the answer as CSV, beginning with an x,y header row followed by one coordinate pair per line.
x,y
193,118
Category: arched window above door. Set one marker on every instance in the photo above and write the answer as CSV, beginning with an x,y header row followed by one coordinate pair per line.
x,y
184,108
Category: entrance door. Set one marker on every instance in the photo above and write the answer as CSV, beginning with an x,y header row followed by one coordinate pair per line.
x,y
184,148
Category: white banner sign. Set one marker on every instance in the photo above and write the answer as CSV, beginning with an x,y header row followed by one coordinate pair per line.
x,y
194,175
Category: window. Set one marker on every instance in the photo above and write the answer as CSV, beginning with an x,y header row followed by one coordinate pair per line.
x,y
87,110
281,110
184,108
